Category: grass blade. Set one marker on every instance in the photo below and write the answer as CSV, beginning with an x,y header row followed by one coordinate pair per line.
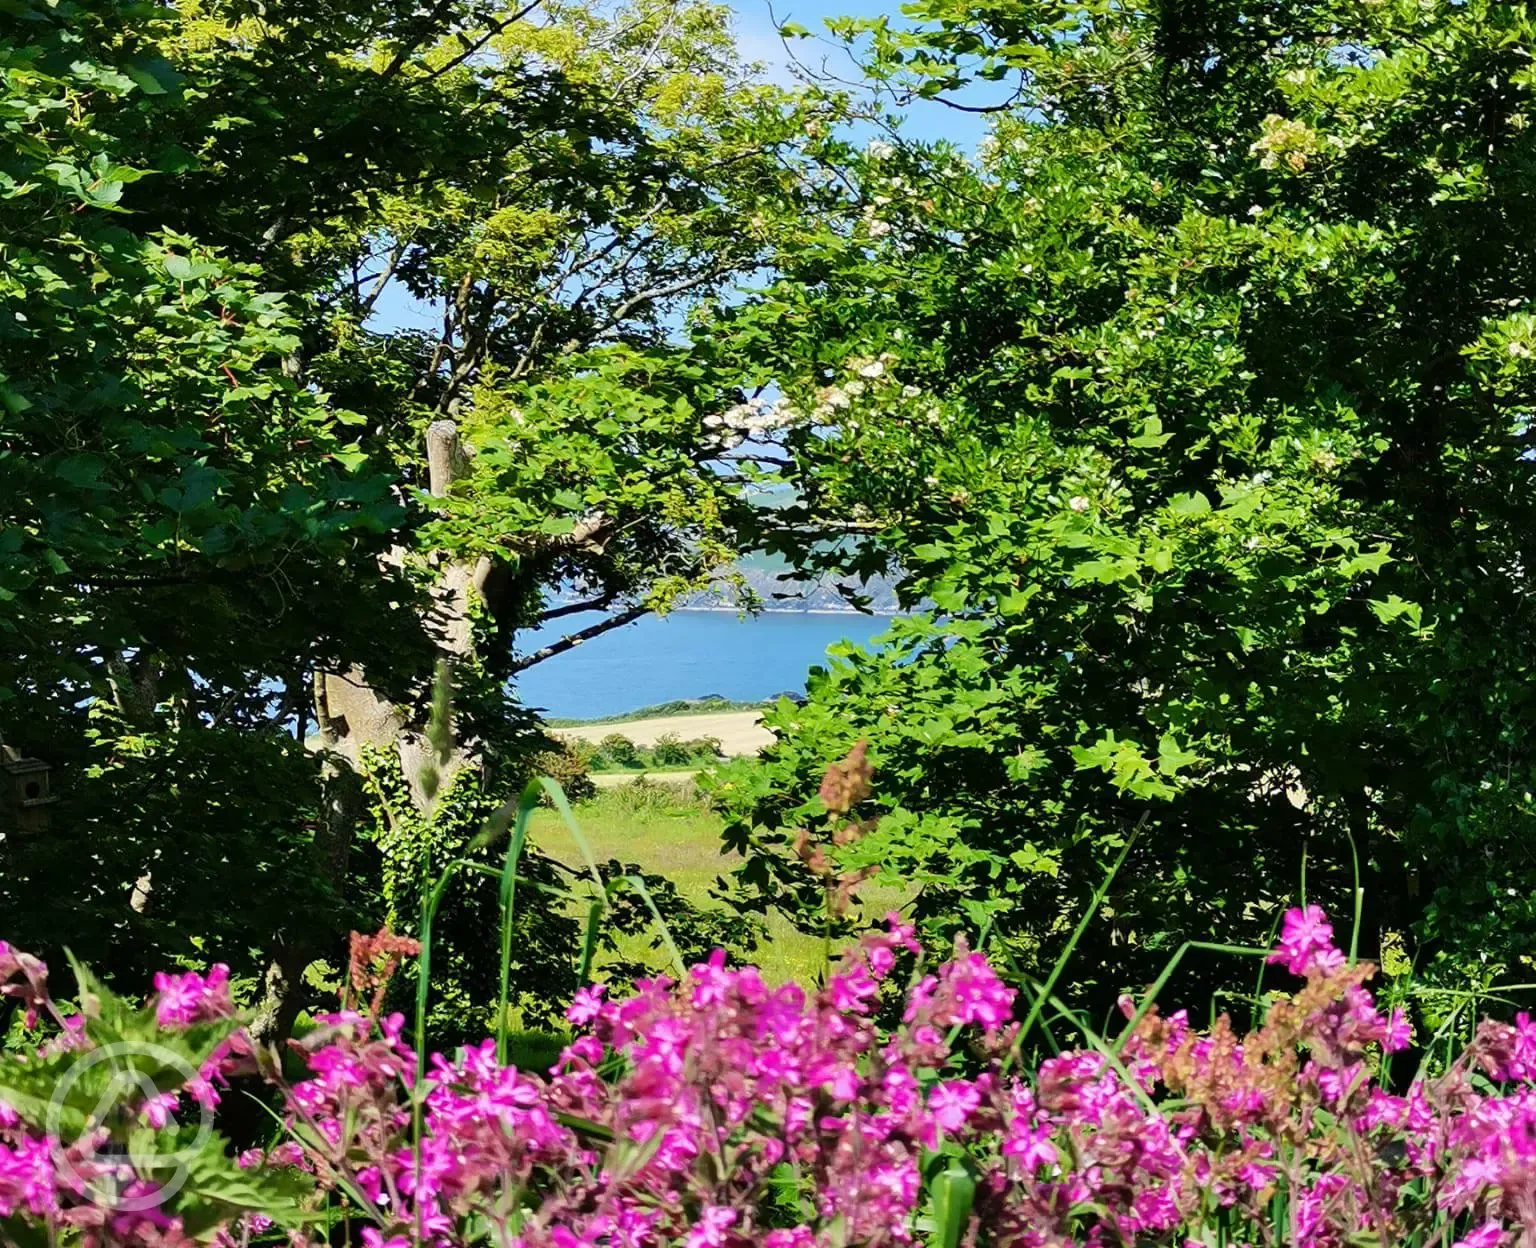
x,y
1354,933
1172,964
635,882
557,796
1082,926
599,901
589,940
508,899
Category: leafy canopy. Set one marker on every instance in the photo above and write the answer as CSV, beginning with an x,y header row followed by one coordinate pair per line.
x,y
248,255
1194,417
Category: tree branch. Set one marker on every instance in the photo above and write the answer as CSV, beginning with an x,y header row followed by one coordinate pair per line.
x,y
391,262
617,316
491,31
591,533
576,608
135,580
423,32
575,639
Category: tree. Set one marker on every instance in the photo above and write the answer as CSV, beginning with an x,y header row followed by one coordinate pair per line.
x,y
180,522
232,511
1193,415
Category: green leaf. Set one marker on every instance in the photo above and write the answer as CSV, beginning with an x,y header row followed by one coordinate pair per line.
x,y
1151,436
153,75
217,1187
1172,757
1394,607
951,1195
1106,571
1365,563
83,470
13,400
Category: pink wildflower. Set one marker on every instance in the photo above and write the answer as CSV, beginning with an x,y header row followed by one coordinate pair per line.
x,y
191,998
794,1237
157,1110
1306,943
27,1178
586,1005
976,994
709,1231
952,1102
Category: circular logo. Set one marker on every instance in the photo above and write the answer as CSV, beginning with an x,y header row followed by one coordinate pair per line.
x,y
128,1170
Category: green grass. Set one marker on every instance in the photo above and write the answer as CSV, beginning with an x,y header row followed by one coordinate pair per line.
x,y
535,1050
666,829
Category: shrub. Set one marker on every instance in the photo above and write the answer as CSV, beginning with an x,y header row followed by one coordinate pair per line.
x,y
703,749
580,747
535,1050
570,766
670,750
617,750
650,793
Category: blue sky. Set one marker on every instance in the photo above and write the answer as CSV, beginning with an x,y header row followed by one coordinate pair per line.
x,y
757,31
757,23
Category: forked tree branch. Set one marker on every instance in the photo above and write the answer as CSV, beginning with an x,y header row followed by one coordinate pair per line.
x,y
576,608
422,33
575,639
473,46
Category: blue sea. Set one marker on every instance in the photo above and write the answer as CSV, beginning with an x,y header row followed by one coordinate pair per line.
x,y
688,654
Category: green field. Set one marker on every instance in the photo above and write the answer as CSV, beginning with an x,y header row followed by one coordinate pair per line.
x,y
667,829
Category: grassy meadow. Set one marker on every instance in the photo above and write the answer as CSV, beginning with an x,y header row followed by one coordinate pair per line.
x,y
670,830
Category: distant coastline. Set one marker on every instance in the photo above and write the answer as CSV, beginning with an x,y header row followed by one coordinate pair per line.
x,y
884,613
780,592
677,708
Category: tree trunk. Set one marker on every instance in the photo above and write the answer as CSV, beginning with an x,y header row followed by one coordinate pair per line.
x,y
352,716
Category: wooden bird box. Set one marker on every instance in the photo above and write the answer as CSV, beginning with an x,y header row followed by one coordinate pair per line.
x,y
27,793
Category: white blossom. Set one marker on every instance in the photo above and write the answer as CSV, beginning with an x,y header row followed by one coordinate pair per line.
x,y
739,417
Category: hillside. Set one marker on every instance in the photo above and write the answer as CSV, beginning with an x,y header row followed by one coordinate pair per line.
x,y
769,578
